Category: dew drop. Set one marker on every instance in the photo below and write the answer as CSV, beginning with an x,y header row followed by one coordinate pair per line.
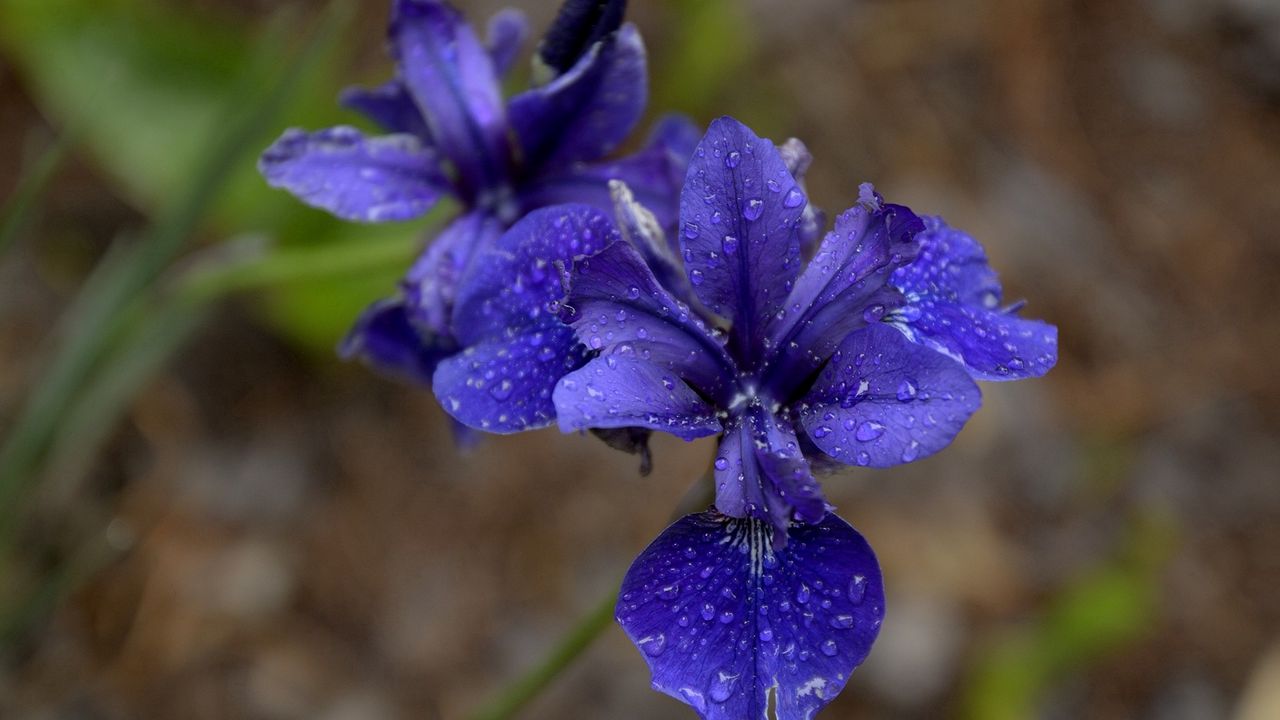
x,y
753,209
695,276
730,244
722,686
669,592
869,431
501,390
793,198
842,622
653,646
722,463
829,648
732,159
907,390
857,589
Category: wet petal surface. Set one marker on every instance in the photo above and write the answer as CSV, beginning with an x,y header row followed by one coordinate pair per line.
x,y
359,178
390,106
619,391
432,282
883,400
385,338
732,626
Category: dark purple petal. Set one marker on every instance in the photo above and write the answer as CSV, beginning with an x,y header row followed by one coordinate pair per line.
x,y
883,400
451,77
504,36
654,174
623,391
844,287
380,179
585,113
733,626
385,338
505,385
579,25
506,317
390,106
644,232
617,307
738,216
431,284
761,473
953,305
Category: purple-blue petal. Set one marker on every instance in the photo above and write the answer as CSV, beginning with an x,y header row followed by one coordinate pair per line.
x,y
359,178
953,305
798,159
883,400
844,287
386,339
738,216
733,626
431,284
623,391
451,76
761,473
504,37
588,111
390,106
616,306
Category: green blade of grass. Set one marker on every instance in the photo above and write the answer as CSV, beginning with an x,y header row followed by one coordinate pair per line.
x,y
30,191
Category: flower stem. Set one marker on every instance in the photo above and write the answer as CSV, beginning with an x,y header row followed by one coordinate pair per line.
x,y
580,637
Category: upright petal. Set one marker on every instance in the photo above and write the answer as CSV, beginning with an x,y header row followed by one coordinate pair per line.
x,y
953,305
844,287
451,76
654,174
381,179
732,625
504,36
617,307
505,316
798,159
578,26
738,216
623,391
883,400
386,339
390,106
431,284
585,113
761,473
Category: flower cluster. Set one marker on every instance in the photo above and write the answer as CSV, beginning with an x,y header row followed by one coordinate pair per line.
x,y
717,310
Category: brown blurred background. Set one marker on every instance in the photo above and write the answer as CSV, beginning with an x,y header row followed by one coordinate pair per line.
x,y
265,532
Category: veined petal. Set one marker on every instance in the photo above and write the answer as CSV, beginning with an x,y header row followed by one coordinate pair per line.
x,y
844,287
504,36
883,400
505,316
451,76
731,625
738,216
432,282
953,305
622,391
390,106
380,179
386,339
616,306
761,473
654,174
585,113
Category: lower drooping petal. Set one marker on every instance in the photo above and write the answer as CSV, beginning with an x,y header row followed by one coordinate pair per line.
x,y
364,179
732,626
385,338
953,306
620,391
883,400
431,284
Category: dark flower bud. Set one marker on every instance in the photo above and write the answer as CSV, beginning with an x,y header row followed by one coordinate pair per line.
x,y
579,25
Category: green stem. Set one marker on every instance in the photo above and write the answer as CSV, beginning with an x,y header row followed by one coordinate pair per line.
x,y
580,637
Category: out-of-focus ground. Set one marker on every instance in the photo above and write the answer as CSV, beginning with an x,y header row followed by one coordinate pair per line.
x,y
293,537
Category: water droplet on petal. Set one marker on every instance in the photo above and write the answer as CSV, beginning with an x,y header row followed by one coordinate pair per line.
x,y
695,276
722,686
722,463
793,198
907,390
654,645
829,648
753,209
869,431
857,589
501,390
732,159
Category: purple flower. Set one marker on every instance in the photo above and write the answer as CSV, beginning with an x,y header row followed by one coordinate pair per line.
x,y
864,355
452,134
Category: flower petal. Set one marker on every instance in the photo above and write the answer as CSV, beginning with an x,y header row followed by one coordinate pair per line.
x,y
725,621
621,391
738,215
585,113
385,338
954,307
883,400
761,473
506,317
844,287
655,175
451,77
616,306
358,178
798,159
432,282
390,106
504,37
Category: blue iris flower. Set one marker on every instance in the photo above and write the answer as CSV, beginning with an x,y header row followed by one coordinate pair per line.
x,y
451,133
866,354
